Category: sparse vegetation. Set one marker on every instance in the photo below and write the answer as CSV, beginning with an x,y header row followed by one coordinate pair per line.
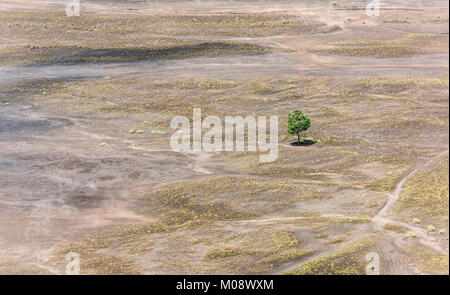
x,y
411,44
377,51
347,261
410,234
223,253
426,193
428,261
397,20
437,19
395,228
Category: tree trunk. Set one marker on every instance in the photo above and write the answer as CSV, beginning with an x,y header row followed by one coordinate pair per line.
x,y
298,137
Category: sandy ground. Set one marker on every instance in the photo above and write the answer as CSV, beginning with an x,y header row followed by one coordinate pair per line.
x,y
259,67
58,184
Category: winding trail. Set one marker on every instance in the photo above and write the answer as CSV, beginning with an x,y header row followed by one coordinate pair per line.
x,y
379,221
393,198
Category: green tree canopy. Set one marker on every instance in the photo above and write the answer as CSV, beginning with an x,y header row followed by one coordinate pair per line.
x,y
297,123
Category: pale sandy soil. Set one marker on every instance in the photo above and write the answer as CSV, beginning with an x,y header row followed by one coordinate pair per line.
x,y
58,184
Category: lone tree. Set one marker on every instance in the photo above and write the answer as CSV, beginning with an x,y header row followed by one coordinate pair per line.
x,y
297,123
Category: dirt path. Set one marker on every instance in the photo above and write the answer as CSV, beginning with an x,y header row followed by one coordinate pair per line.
x,y
380,220
399,188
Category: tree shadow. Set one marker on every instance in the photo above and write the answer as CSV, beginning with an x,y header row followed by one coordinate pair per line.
x,y
305,142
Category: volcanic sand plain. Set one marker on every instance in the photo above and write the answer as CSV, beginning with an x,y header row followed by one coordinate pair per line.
x,y
371,176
